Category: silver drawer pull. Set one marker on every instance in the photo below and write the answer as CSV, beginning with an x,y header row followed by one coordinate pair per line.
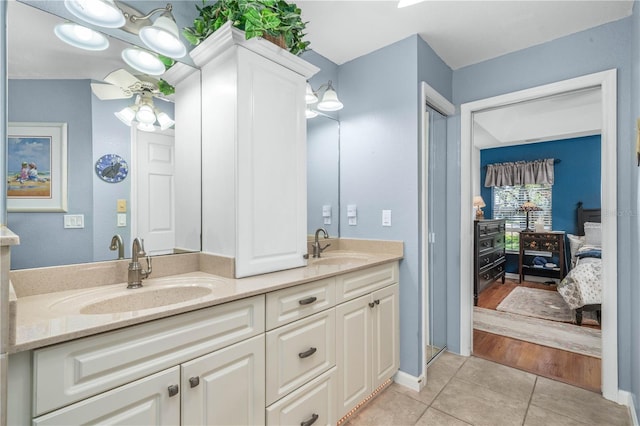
x,y
311,421
308,300
307,353
371,304
173,390
194,381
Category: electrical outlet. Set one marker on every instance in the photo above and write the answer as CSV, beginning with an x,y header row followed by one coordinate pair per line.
x,y
121,206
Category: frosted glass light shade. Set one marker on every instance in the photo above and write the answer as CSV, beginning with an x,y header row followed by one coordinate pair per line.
x,y
165,121
330,101
146,115
143,61
81,37
310,97
146,127
103,13
126,115
309,113
163,37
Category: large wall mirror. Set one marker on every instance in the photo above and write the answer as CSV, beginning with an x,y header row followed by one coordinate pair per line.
x,y
323,175
50,82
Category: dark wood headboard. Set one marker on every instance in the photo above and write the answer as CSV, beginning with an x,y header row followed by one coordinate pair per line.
x,y
587,215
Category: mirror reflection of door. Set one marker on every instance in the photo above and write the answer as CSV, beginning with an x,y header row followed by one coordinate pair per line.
x,y
155,190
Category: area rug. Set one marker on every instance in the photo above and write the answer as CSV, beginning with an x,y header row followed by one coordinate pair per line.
x,y
537,303
559,335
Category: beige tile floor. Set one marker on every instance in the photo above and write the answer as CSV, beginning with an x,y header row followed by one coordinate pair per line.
x,y
472,391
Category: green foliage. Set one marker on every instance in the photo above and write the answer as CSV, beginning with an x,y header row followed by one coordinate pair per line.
x,y
165,88
168,62
256,18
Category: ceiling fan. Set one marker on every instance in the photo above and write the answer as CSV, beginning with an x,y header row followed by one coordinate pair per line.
x,y
121,84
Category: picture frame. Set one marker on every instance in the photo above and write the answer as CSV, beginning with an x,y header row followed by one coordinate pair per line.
x,y
36,167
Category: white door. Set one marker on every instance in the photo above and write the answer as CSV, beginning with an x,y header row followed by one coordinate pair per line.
x,y
153,214
385,334
226,387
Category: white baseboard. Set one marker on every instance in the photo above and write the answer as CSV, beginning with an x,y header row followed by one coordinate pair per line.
x,y
628,399
408,381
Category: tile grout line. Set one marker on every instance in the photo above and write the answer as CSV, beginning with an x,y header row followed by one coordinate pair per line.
x,y
533,389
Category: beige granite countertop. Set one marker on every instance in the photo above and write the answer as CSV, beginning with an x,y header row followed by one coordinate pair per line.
x,y
42,319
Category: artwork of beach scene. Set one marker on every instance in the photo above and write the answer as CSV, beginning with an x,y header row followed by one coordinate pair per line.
x,y
29,167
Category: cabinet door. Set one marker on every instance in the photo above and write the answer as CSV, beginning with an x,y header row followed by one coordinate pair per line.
x,y
271,167
225,387
385,334
353,349
144,402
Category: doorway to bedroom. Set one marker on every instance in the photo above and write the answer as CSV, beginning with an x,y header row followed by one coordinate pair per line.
x,y
472,135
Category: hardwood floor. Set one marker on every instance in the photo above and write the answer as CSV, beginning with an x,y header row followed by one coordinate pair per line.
x,y
568,367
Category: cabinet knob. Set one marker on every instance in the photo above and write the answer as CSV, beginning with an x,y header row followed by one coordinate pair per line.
x,y
307,353
308,300
311,421
194,381
371,304
377,301
173,390
486,260
486,276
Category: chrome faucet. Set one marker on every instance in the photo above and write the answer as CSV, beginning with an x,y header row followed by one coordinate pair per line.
x,y
317,249
136,273
117,244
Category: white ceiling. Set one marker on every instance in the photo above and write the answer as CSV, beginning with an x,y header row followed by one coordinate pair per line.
x,y
460,32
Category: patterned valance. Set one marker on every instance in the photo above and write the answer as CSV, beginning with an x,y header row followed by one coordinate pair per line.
x,y
520,173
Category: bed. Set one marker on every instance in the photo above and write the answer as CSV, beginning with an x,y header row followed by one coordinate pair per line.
x,y
581,288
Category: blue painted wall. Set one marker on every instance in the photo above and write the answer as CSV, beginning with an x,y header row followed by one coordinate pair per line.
x,y
577,178
598,49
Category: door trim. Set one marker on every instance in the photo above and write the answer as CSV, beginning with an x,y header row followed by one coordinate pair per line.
x,y
470,184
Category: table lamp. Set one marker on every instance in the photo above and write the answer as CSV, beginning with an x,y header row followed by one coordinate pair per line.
x,y
478,203
528,206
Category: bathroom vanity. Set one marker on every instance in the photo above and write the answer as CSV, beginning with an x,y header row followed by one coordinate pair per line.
x,y
303,346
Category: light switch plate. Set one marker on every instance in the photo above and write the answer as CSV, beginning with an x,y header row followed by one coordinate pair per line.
x,y
122,220
386,217
121,206
74,221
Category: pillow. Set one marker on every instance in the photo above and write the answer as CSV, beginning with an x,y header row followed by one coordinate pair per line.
x,y
575,242
593,234
589,252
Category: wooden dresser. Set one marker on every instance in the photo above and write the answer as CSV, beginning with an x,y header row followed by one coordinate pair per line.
x,y
489,254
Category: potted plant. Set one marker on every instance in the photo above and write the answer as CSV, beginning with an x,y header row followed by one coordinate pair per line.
x,y
274,20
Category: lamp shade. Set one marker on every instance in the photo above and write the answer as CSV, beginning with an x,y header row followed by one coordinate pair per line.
x,y
310,97
146,115
528,206
143,61
165,121
81,37
330,101
146,127
103,13
126,115
163,37
478,201
309,113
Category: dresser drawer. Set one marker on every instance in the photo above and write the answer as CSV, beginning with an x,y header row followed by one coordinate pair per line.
x,y
298,352
314,403
490,227
491,273
76,370
290,304
358,283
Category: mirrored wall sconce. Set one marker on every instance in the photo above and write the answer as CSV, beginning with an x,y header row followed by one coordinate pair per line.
x,y
161,36
145,114
82,37
143,61
328,101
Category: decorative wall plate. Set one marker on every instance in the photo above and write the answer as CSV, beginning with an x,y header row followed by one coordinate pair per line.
x,y
111,168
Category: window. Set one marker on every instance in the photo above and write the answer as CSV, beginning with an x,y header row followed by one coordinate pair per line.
x,y
508,199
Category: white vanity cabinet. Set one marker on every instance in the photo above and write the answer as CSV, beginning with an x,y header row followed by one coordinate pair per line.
x,y
367,335
253,152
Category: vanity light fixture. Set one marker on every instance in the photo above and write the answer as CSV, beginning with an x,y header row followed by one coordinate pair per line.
x,y
82,37
143,61
309,113
161,36
329,101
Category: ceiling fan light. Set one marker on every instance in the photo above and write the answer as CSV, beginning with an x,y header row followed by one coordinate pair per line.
x,y
163,37
146,115
330,101
165,121
146,127
309,113
81,37
310,97
103,13
143,61
126,115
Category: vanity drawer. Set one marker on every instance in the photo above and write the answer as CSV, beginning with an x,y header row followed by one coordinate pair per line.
x,y
298,352
68,372
358,283
315,400
290,304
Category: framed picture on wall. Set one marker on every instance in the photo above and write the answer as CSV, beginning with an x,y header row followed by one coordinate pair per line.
x,y
37,167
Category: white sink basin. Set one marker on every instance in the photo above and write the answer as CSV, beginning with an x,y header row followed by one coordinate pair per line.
x,y
145,299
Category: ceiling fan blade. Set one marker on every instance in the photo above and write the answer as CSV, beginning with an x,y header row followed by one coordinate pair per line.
x,y
122,78
109,91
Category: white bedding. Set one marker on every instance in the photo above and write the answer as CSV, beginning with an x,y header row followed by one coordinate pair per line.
x,y
583,284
